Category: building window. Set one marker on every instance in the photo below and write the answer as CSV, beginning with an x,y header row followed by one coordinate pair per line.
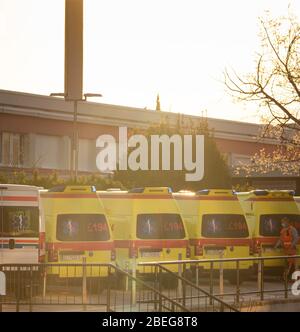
x,y
240,159
12,149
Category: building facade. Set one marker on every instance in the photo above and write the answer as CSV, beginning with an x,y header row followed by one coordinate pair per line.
x,y
36,133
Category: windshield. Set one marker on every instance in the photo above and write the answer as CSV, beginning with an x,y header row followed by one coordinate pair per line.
x,y
160,226
224,226
82,227
270,224
19,221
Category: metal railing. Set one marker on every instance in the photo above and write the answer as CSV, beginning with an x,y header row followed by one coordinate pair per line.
x,y
73,287
246,285
189,294
168,286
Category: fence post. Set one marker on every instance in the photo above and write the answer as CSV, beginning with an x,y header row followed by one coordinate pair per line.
x,y
211,282
160,290
44,282
261,279
221,275
259,275
133,283
156,286
2,287
184,286
18,289
197,275
108,289
84,284
126,277
30,290
285,277
180,275
237,281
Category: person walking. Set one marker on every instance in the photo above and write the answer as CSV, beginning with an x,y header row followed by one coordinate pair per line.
x,y
288,241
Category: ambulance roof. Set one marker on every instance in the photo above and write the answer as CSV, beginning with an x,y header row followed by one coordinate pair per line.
x,y
19,187
73,189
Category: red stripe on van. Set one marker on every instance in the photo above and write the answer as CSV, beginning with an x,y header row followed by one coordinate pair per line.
x,y
151,243
80,246
62,195
222,242
209,198
274,199
42,240
19,198
21,241
270,239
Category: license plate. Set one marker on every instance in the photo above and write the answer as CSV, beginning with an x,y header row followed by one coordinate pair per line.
x,y
150,254
71,257
269,249
215,252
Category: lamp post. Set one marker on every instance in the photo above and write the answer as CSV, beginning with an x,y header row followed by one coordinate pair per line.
x,y
87,95
74,70
75,138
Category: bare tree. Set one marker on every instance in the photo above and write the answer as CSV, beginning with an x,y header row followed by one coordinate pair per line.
x,y
274,85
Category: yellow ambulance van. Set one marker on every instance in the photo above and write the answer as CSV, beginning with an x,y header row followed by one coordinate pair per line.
x,y
297,200
147,227
264,210
217,228
76,227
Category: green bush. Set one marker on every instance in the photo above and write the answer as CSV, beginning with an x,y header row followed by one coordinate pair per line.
x,y
216,171
53,179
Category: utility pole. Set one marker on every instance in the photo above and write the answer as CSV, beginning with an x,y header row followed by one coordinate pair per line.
x,y
74,68
74,72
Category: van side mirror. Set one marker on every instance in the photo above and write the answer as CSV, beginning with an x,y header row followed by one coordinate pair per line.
x,y
11,244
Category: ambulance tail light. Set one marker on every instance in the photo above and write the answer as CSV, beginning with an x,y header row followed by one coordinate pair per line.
x,y
41,258
113,255
188,252
52,255
251,249
256,247
198,250
42,247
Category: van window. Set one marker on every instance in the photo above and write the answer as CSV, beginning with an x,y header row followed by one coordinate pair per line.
x,y
82,227
224,226
160,226
19,221
270,224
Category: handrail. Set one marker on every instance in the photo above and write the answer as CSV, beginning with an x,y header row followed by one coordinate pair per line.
x,y
199,289
152,289
190,261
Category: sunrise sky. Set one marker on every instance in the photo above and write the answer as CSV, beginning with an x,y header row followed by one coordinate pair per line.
x,y
134,49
